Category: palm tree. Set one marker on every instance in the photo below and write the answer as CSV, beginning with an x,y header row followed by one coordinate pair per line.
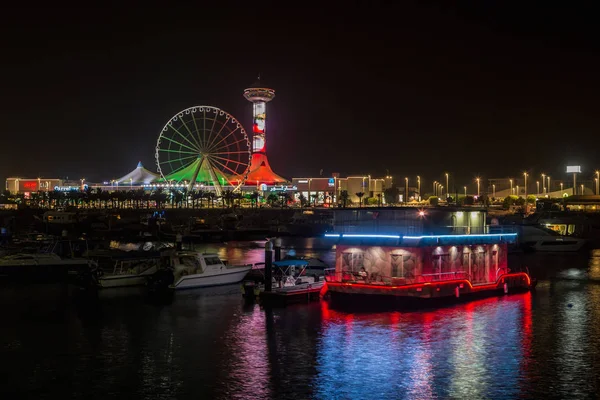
x,y
302,199
344,196
378,199
360,196
283,196
254,198
272,199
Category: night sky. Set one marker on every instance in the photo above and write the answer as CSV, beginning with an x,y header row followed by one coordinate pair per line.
x,y
417,88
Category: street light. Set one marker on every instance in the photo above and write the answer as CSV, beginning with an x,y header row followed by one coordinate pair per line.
x,y
525,174
543,183
419,187
447,184
435,188
537,183
477,179
465,190
597,183
596,180
582,189
493,190
511,186
406,191
441,190
548,190
561,187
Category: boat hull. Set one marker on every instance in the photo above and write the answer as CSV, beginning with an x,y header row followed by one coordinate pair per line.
x,y
124,280
423,294
202,280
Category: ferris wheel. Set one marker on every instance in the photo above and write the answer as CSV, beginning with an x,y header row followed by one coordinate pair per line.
x,y
203,145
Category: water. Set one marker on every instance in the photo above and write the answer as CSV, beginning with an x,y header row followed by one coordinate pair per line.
x,y
209,345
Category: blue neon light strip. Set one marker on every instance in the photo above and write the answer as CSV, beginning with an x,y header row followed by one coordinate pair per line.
x,y
485,235
352,235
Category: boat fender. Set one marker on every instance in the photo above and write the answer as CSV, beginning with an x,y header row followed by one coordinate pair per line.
x,y
457,292
505,287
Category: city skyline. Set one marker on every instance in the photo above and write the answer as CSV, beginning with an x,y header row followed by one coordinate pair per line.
x,y
480,91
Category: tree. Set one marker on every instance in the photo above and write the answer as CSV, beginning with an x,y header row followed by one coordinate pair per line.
x,y
391,195
379,195
360,196
509,201
284,198
344,196
531,199
469,200
434,200
302,199
254,198
272,199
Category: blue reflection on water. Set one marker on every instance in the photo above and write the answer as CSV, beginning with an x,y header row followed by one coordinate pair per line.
x,y
473,350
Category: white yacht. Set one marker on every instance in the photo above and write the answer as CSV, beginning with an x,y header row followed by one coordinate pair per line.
x,y
540,238
193,269
129,272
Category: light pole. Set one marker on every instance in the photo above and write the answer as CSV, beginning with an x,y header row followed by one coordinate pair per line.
x,y
537,183
441,190
582,189
310,180
597,183
406,190
447,184
561,187
477,187
525,175
543,184
419,187
548,190
130,183
465,190
435,188
518,193
596,180
511,186
493,190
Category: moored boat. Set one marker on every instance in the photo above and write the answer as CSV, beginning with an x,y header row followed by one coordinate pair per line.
x,y
194,269
395,270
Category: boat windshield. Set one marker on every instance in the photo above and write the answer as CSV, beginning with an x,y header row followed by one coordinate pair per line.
x,y
189,261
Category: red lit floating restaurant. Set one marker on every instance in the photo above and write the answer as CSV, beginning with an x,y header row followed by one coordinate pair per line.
x,y
396,270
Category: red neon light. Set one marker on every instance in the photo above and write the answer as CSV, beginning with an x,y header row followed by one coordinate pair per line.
x,y
445,283
30,185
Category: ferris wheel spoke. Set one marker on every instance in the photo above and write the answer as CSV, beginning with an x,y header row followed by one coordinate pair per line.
x,y
223,139
226,167
197,148
191,134
232,152
227,145
178,159
197,130
210,141
229,160
181,144
179,151
212,127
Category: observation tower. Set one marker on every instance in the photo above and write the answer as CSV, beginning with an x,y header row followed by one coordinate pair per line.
x,y
260,171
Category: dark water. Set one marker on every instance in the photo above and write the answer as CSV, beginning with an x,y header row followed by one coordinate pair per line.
x,y
209,345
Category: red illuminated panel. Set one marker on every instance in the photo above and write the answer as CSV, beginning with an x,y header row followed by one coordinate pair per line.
x,y
31,186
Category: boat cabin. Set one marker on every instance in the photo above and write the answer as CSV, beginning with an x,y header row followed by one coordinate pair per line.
x,y
395,260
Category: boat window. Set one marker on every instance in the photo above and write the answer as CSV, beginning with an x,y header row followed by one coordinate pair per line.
x,y
212,260
189,262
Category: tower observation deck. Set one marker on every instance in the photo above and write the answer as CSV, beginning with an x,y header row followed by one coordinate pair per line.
x,y
260,171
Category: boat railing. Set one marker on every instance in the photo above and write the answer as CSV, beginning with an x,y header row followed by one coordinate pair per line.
x,y
377,279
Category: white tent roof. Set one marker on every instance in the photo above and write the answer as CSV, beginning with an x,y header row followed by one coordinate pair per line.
x,y
139,176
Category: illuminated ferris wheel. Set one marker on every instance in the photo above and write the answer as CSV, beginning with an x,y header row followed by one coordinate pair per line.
x,y
203,145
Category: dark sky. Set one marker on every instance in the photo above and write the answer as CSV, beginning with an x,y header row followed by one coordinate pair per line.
x,y
416,88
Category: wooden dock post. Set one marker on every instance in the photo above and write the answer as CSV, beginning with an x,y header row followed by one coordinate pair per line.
x,y
268,266
277,249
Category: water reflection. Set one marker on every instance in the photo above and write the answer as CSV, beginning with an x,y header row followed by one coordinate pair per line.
x,y
474,350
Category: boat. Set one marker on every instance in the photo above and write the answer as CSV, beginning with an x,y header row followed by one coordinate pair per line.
x,y
193,269
543,239
43,268
406,271
129,272
290,284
